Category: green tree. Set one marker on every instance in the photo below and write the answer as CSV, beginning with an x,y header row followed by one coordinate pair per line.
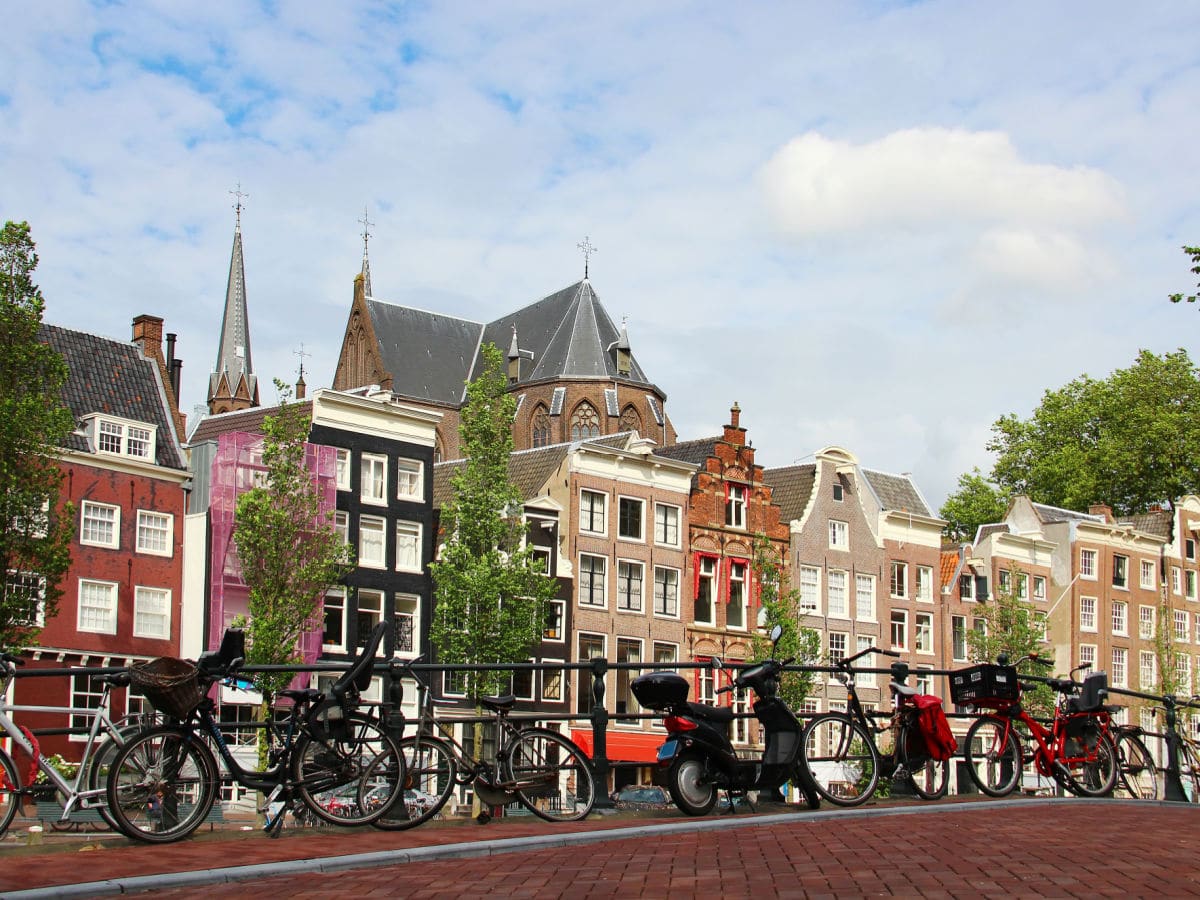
x,y
35,532
1131,440
977,501
1172,664
782,607
490,594
1194,253
289,550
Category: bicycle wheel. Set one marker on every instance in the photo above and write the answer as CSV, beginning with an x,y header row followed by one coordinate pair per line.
x,y
552,776
929,777
1189,772
1139,775
841,758
161,785
429,780
1095,777
993,755
335,775
10,792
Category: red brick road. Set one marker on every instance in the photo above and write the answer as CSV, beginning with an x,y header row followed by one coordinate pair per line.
x,y
1042,848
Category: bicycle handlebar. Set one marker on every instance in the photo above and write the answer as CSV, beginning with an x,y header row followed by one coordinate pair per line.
x,y
845,662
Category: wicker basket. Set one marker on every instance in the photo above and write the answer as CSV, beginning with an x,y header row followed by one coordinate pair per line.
x,y
169,684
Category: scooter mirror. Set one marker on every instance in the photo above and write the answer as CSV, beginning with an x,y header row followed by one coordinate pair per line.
x,y
716,663
776,633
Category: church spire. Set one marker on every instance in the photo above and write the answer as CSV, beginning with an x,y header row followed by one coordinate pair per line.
x,y
366,263
233,384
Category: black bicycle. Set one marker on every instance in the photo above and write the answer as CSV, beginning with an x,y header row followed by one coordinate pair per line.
x,y
162,784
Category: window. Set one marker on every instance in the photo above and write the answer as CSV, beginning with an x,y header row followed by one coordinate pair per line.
x,y
591,512
341,524
593,573
1176,580
590,646
371,541
1022,586
1148,580
552,682
924,677
629,650
1004,581
629,585
454,683
1041,623
154,533
334,637
1146,622
839,535
706,577
1120,658
925,584
1039,587
410,481
1147,670
1189,549
100,524
1190,582
584,422
862,642
1183,673
810,589
1182,621
899,629
838,641
343,469
406,610
1087,654
899,582
966,587
125,439
864,598
838,492
1087,563
1120,571
629,518
837,594
370,613
1087,613
735,506
980,626
151,613
540,559
555,611
541,427
666,592
522,682
666,525
924,632
1120,617
735,610
25,595
97,606
1196,629
373,488
958,638
408,546
237,721
85,694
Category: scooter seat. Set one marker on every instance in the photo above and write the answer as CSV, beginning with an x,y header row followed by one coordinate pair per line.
x,y
719,714
902,690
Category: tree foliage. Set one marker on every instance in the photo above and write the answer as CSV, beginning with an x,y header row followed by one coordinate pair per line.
x,y
978,501
490,594
1194,253
1131,440
35,532
782,607
289,550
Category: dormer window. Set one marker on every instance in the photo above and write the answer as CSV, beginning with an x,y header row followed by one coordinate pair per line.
x,y
119,437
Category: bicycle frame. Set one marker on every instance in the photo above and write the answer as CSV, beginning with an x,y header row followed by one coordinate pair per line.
x,y
1050,742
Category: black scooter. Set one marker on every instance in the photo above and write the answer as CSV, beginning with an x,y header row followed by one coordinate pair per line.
x,y
698,757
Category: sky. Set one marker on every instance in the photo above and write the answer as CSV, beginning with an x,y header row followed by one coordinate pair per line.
x,y
876,225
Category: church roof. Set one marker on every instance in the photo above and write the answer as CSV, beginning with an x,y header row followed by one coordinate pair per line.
x,y
233,352
429,355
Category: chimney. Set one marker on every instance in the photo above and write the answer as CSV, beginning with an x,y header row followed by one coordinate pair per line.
x,y
1103,510
301,387
735,415
174,366
148,334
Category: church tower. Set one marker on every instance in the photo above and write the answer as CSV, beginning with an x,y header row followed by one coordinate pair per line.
x,y
233,385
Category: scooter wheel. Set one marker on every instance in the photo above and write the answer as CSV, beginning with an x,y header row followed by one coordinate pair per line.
x,y
691,786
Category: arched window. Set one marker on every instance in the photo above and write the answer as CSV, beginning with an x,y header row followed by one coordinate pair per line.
x,y
584,422
540,426
438,448
630,420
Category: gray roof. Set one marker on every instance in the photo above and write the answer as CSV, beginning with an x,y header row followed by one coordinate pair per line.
x,y
1159,523
428,354
897,492
696,452
233,351
112,377
986,531
791,488
1051,515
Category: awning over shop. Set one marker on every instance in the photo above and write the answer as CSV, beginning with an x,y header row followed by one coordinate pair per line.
x,y
623,746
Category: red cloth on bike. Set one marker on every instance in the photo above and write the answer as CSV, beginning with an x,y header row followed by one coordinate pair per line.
x,y
935,727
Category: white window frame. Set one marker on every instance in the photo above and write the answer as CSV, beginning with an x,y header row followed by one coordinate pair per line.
x,y
627,600
373,524
902,567
410,479
810,590
1149,578
86,693
837,584
341,524
1087,654
142,596
583,677
533,682
1039,587
1088,564
668,582
864,598
373,479
92,507
147,528
672,515
923,624
839,535
340,593
406,605
560,618
1177,581
1147,670
1022,586
903,623
1120,618
954,634
1119,672
743,582
377,614
409,535
111,587
968,581
1147,616
546,678
598,499
1120,561
735,506
838,648
627,502
712,580
924,584
1087,611
603,604
342,475
107,428
1189,585
861,643
1182,625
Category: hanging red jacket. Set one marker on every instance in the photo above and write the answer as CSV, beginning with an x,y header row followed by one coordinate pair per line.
x,y
935,727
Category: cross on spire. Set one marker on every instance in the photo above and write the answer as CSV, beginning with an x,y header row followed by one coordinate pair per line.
x,y
238,206
366,224
301,353
586,247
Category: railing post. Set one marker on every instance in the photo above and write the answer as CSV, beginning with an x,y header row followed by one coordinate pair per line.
x,y
1173,790
600,733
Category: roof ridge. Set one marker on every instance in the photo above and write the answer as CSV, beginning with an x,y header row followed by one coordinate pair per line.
x,y
428,312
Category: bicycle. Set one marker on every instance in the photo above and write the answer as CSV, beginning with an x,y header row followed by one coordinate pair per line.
x,y
86,789
846,761
1076,750
162,784
1138,772
1188,755
544,771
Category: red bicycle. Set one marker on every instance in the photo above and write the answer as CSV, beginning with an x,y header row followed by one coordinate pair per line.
x,y
1076,750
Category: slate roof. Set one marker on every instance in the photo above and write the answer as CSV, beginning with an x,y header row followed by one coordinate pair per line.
x,y
897,492
696,452
112,377
429,355
1051,515
791,488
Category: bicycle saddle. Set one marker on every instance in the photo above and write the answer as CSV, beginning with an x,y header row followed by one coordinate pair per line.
x,y
499,704
902,690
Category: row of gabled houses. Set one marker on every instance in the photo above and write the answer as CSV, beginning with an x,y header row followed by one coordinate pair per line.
x,y
650,539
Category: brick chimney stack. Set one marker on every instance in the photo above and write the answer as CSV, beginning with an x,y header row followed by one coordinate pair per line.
x,y
1103,510
148,334
734,432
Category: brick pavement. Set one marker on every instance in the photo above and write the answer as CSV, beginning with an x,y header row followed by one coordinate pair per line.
x,y
998,849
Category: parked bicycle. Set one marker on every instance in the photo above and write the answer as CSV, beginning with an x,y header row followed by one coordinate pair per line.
x,y
1137,770
847,762
1188,755
542,770
86,790
1076,750
162,784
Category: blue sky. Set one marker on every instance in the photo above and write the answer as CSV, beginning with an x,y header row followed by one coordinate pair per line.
x,y
877,225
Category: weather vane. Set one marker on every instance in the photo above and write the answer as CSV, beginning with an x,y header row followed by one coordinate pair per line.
x,y
239,206
588,250
301,353
366,224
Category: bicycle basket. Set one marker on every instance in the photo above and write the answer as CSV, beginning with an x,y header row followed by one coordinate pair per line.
x,y
170,685
984,685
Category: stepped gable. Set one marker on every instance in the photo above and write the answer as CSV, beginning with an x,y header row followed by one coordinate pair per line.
x,y
115,378
791,488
